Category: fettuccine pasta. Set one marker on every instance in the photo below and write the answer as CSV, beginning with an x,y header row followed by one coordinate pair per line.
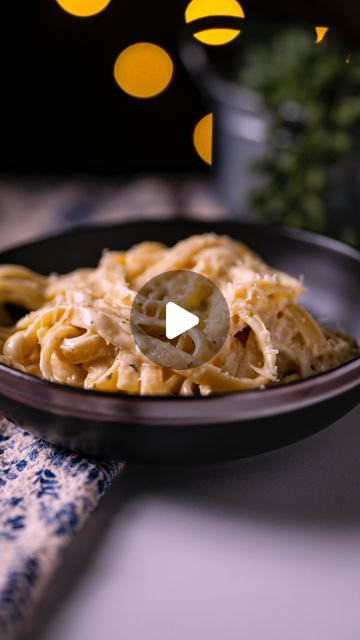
x,y
77,327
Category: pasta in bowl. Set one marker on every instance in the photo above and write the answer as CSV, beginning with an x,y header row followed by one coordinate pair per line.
x,y
170,428
77,327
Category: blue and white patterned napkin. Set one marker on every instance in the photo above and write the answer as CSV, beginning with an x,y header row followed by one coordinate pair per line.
x,y
46,493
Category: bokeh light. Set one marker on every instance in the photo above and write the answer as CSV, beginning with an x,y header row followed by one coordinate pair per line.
x,y
203,138
321,33
83,8
216,37
199,9
143,70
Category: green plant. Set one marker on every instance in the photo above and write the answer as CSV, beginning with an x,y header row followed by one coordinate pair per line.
x,y
311,170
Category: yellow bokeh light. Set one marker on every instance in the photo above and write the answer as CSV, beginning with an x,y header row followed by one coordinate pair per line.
x,y
143,70
83,8
198,9
203,138
321,33
216,36
203,8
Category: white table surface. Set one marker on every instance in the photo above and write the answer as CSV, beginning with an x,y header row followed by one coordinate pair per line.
x,y
261,549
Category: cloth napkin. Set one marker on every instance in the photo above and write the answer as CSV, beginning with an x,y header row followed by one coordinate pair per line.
x,y
46,493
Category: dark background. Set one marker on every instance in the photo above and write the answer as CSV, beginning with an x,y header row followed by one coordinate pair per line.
x,y
61,111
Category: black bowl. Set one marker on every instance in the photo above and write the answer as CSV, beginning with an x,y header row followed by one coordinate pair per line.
x,y
221,427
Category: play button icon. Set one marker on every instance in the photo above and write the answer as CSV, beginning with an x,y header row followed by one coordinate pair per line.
x,y
179,319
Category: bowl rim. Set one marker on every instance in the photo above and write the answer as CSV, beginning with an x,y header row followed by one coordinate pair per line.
x,y
313,237
76,402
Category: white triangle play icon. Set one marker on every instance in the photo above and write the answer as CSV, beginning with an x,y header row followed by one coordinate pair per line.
x,y
178,320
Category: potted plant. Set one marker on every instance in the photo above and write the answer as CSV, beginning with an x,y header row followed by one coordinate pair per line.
x,y
287,115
